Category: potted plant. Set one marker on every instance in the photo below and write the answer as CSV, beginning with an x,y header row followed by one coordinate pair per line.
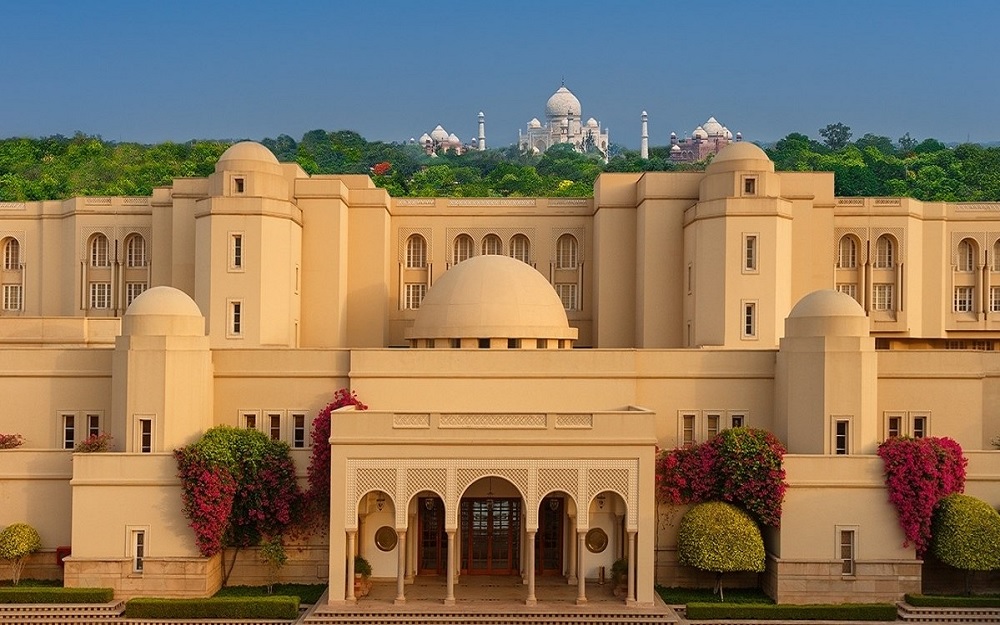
x,y
619,577
362,576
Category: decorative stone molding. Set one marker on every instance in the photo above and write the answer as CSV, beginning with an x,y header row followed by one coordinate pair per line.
x,y
411,421
493,202
574,421
492,421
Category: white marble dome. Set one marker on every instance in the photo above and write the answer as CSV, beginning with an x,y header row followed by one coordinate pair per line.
x,y
591,123
534,123
699,133
713,128
562,102
439,134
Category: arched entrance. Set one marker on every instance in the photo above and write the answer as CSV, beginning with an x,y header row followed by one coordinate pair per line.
x,y
550,539
490,525
432,539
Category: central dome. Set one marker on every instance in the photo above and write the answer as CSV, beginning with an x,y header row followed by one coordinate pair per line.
x,y
491,297
562,102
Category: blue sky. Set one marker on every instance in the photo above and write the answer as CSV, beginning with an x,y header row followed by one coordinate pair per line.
x,y
155,71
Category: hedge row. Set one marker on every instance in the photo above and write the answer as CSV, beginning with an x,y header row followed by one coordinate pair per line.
x,y
819,612
53,594
953,601
273,607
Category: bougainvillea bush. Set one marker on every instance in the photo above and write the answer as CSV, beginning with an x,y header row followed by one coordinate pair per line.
x,y
742,466
238,488
11,441
95,443
919,472
318,495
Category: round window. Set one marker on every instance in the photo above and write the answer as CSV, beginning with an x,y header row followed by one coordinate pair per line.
x,y
385,538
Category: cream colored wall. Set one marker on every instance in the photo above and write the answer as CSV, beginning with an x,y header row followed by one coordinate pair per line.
x,y
324,203
35,489
368,258
615,271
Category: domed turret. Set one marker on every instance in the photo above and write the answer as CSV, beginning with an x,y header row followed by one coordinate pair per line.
x,y
699,133
248,156
439,134
713,128
163,311
826,313
591,123
740,156
562,103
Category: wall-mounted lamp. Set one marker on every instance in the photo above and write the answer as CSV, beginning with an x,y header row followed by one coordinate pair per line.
x,y
601,500
380,502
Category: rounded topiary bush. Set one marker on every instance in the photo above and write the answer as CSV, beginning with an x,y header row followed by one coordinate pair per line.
x,y
17,541
719,537
966,533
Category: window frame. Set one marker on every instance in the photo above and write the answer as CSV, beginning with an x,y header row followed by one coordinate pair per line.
x,y
964,299
237,252
567,252
100,295
413,295
12,254
145,433
298,422
749,185
134,289
965,261
751,252
886,303
68,430
234,318
885,253
848,558
416,252
462,248
847,257
135,252
847,447
849,289
520,248
568,295
13,297
137,547
749,320
492,245
100,251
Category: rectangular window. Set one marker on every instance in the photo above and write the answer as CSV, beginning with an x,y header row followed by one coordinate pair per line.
x,y
12,299
842,437
239,185
414,295
847,550
145,436
749,253
919,428
749,320
712,425
249,420
963,298
298,430
882,297
687,431
690,277
235,318
567,294
894,426
750,185
737,420
138,550
848,288
93,425
133,290
236,251
274,425
69,431
100,295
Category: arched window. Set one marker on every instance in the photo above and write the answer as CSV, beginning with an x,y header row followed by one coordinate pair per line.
x,y
416,252
885,257
996,256
847,253
966,255
520,248
99,251
463,249
12,254
492,245
135,251
566,252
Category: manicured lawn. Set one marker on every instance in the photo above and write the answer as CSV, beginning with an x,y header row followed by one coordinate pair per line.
x,y
676,596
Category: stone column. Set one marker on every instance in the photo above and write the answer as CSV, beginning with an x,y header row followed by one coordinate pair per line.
x,y
630,595
401,568
531,600
449,598
581,577
411,553
350,566
571,568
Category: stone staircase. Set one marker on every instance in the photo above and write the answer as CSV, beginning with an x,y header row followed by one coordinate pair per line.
x,y
914,614
61,613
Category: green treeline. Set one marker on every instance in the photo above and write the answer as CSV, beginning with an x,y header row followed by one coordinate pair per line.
x,y
59,167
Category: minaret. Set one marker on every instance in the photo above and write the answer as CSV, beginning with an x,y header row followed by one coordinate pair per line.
x,y
644,143
482,131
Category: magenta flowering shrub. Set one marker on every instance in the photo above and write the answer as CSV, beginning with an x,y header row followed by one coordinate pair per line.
x,y
238,487
11,441
318,495
742,466
919,472
95,443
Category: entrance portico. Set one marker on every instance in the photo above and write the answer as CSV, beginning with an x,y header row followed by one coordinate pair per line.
x,y
461,505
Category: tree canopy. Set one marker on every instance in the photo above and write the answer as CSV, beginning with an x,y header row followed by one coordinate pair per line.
x,y
59,167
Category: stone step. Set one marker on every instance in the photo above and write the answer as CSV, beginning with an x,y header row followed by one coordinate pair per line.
x,y
921,614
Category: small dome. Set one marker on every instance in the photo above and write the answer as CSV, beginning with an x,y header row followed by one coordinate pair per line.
x,y
826,313
673,134
726,133
740,156
424,138
161,311
534,123
713,127
591,123
247,155
439,134
675,148
491,296
452,138
561,103
644,114
699,133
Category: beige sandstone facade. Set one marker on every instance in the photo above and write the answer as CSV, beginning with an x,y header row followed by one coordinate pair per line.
x,y
522,359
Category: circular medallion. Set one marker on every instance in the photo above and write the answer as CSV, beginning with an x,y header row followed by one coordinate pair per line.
x,y
385,538
597,540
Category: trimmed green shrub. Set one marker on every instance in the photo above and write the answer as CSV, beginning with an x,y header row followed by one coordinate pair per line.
x,y
681,596
966,533
953,601
820,612
270,607
50,594
17,541
307,593
720,537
